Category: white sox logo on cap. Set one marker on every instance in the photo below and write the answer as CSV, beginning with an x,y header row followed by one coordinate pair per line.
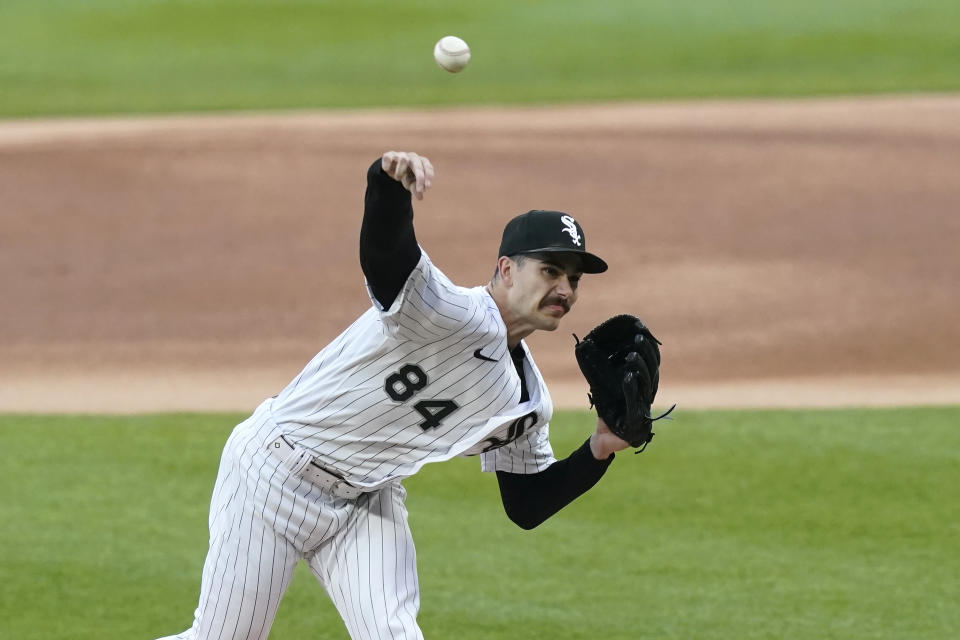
x,y
570,226
544,231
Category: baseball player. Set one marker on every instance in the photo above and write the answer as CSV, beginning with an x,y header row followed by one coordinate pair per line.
x,y
430,371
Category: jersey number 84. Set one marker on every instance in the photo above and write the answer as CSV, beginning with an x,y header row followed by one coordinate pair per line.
x,y
403,384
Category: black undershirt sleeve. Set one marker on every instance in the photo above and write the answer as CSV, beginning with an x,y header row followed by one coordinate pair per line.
x,y
529,499
388,254
388,247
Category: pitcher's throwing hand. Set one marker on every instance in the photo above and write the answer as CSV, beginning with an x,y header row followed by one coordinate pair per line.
x,y
428,372
413,171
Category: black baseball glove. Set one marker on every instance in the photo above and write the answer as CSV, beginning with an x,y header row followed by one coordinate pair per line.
x,y
620,359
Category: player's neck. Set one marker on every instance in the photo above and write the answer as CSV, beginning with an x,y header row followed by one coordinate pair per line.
x,y
517,329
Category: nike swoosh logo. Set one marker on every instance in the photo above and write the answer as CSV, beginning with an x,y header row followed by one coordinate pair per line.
x,y
477,354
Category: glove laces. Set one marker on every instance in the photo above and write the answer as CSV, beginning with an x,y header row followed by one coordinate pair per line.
x,y
659,417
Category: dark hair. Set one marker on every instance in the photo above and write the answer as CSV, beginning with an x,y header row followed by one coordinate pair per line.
x,y
519,258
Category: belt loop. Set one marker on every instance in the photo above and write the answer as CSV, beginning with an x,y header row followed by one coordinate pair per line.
x,y
300,462
297,460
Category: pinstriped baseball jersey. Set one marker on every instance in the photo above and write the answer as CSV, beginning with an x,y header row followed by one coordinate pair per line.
x,y
428,379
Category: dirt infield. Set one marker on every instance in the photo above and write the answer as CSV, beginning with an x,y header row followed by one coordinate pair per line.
x,y
787,253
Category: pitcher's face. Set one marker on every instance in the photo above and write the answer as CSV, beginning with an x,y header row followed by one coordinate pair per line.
x,y
544,288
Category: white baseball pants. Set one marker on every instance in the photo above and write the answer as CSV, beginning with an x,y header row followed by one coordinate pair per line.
x,y
264,518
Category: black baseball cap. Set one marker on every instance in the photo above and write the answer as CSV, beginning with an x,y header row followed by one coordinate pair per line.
x,y
541,231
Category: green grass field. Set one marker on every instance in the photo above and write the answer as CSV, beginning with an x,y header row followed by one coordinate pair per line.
x,y
62,57
757,524
733,525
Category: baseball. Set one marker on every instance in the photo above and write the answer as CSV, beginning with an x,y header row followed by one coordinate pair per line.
x,y
451,53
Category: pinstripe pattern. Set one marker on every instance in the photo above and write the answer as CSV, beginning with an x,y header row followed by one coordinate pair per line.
x,y
370,570
400,388
340,410
263,520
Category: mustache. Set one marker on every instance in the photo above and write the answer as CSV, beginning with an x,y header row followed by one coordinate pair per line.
x,y
557,301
